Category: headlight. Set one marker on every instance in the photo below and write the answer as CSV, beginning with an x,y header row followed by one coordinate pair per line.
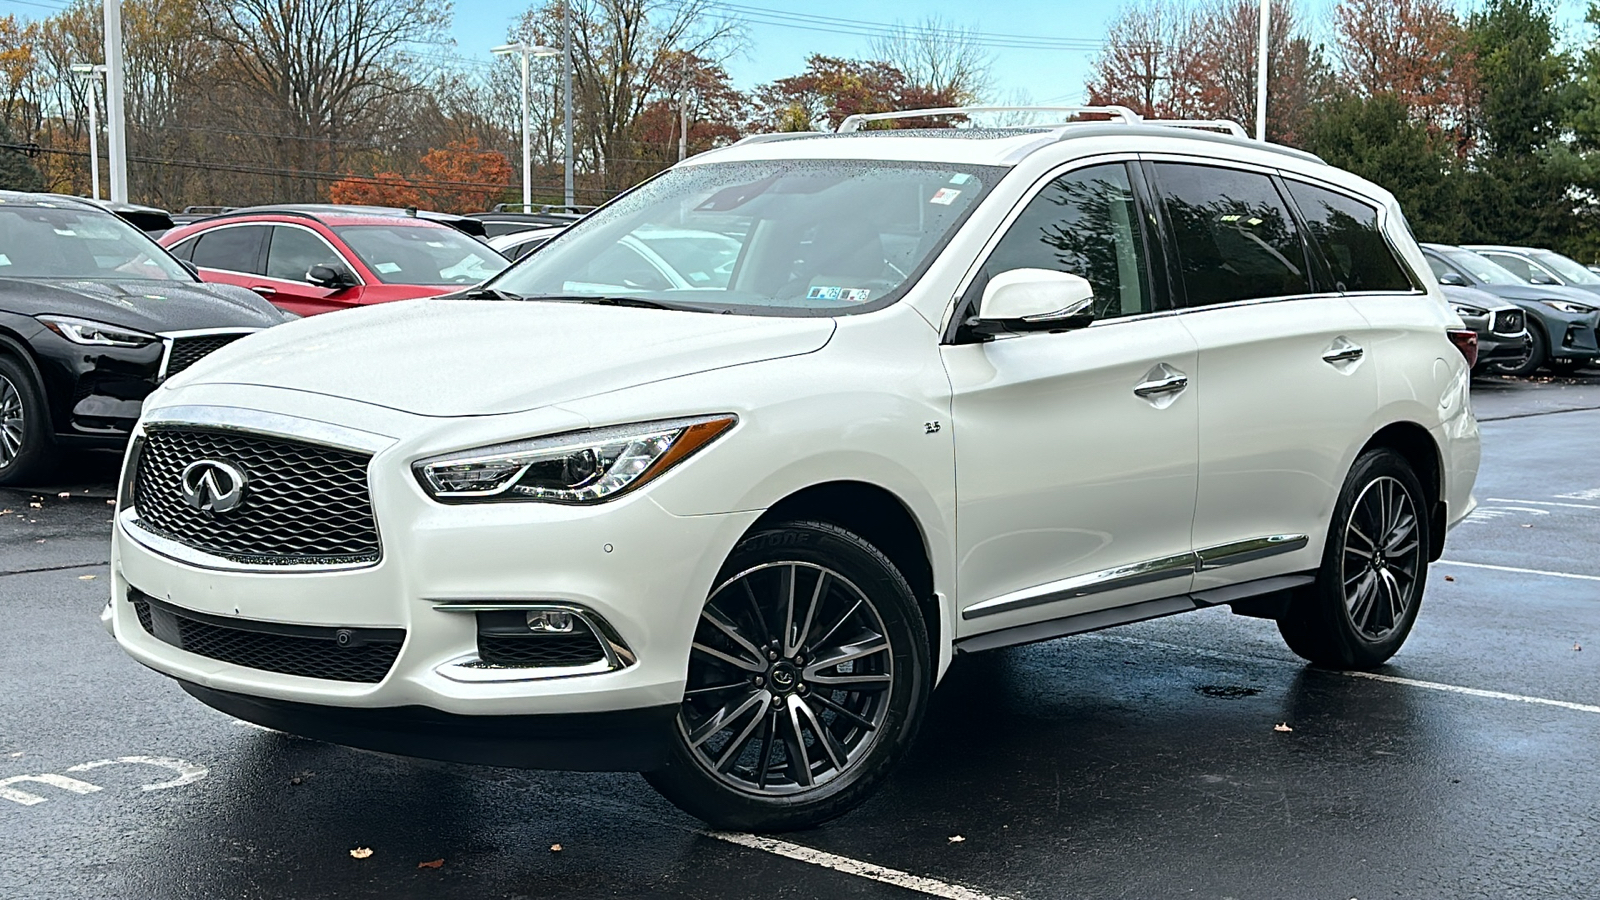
x,y
96,334
578,467
1465,311
1567,306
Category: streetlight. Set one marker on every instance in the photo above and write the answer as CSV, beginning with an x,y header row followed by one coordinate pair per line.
x,y
1261,73
92,74
527,50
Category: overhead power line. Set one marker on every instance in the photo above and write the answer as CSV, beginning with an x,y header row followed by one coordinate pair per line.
x,y
861,27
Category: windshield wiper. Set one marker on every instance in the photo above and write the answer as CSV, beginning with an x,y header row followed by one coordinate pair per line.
x,y
602,300
488,293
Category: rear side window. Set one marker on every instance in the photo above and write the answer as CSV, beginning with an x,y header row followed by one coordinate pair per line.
x,y
1346,231
235,249
1515,264
1084,223
1233,234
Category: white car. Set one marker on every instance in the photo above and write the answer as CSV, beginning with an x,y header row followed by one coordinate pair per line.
x,y
960,389
515,245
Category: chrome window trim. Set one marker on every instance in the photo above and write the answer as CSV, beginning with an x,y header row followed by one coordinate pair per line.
x,y
128,521
272,425
168,337
1202,560
469,669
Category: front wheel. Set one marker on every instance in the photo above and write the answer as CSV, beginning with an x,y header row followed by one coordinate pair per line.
x,y
27,448
807,680
1538,353
1374,568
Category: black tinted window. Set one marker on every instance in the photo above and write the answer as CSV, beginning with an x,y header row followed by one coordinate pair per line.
x,y
233,249
185,249
294,251
1346,230
1234,235
1084,223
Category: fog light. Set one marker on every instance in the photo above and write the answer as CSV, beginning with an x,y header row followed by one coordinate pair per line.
x,y
549,621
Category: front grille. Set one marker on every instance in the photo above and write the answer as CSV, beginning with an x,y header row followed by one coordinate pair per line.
x,y
576,648
334,654
186,351
304,504
1508,321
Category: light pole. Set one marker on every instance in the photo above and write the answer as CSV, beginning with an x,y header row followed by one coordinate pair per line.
x,y
566,90
116,116
91,76
1261,74
526,50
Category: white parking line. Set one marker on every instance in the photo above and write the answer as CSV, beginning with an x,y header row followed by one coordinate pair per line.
x,y
1519,571
930,886
1543,503
1372,676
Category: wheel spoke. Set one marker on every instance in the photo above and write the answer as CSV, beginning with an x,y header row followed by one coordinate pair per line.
x,y
730,753
755,607
801,710
842,710
769,737
811,611
732,632
853,682
795,748
847,653
1396,597
726,716
744,664
1361,604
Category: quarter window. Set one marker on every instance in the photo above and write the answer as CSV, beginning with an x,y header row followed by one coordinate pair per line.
x,y
1346,231
1233,233
294,251
1085,223
236,249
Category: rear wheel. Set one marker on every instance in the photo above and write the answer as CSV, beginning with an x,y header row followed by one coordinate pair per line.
x,y
1374,568
27,447
806,682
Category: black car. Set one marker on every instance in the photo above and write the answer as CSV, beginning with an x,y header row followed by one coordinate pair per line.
x,y
509,218
93,316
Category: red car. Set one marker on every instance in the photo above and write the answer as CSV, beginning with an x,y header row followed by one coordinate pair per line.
x,y
313,259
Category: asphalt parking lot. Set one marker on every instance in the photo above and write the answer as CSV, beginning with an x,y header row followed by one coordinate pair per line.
x,y
1144,762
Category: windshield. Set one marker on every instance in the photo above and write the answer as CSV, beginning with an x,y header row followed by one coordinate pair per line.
x,y
1569,269
1481,269
45,242
788,237
420,254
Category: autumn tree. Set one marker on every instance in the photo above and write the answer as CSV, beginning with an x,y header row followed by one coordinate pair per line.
x,y
939,59
831,89
703,97
1412,50
17,172
1143,64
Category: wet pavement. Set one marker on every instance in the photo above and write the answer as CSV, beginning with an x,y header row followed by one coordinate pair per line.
x,y
1142,762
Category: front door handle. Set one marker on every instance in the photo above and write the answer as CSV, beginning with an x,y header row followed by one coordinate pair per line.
x,y
264,290
1168,385
1343,351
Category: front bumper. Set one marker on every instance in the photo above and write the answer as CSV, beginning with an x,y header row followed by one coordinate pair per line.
x,y
642,571
1497,348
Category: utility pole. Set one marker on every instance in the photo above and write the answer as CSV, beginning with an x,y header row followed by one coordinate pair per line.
x,y
1261,74
116,115
566,88
683,120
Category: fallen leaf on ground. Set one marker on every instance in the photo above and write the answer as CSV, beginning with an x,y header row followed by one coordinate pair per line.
x,y
1449,578
431,864
1576,646
1282,726
85,577
111,503
956,838
361,852
39,541
555,848
36,505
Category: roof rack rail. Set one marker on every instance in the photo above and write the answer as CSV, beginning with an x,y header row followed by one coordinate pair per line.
x,y
1228,125
854,123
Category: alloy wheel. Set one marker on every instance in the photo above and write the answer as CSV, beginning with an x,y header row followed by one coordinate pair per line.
x,y
11,422
1382,557
789,679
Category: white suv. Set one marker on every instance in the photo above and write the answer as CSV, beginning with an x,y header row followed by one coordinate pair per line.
x,y
903,395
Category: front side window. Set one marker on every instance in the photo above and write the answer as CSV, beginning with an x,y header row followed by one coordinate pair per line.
x,y
234,249
57,242
776,237
294,251
1233,233
1480,267
419,254
1347,232
1084,223
1516,265
1440,267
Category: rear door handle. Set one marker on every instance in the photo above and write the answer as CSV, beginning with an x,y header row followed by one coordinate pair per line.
x,y
264,290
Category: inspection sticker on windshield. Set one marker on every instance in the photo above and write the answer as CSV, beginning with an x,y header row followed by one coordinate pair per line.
x,y
960,178
848,295
944,196
387,268
4,260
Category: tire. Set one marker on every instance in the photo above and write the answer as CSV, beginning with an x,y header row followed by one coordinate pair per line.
x,y
1538,353
1359,621
757,693
27,445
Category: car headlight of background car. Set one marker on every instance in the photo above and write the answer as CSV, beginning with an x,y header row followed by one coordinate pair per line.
x,y
577,467
1567,306
96,334
1469,312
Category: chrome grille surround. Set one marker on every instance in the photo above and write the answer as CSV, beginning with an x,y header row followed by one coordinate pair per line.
x,y
1509,322
306,504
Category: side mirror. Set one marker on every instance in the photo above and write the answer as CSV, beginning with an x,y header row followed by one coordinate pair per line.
x,y
1455,279
1024,300
1537,277
334,278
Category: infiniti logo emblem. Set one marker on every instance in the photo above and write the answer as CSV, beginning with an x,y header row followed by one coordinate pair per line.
x,y
213,485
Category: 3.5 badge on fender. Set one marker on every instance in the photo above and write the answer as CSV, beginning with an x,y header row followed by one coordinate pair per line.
x,y
213,485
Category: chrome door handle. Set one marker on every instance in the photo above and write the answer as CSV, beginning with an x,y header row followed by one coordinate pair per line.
x,y
1346,352
1168,385
264,291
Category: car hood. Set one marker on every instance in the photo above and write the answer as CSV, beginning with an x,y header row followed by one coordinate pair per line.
x,y
153,306
465,358
1467,296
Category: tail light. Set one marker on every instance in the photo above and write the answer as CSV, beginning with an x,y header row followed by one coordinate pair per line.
x,y
1466,341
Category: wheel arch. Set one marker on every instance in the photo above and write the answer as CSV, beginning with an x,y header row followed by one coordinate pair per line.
x,y
884,520
13,344
1421,451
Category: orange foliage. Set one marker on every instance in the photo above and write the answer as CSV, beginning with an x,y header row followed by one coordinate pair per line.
x,y
459,178
383,189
